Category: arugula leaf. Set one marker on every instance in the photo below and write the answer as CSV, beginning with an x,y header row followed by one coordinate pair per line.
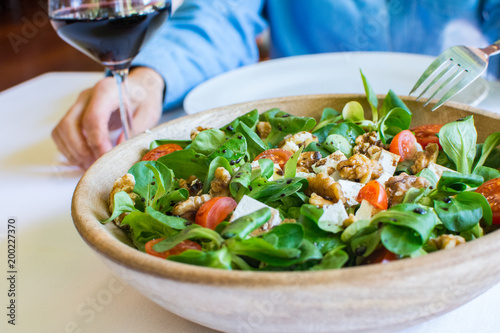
x,y
392,101
234,150
255,145
214,259
194,231
185,163
147,185
283,123
250,119
173,222
348,130
244,225
121,204
217,162
285,236
268,191
365,241
206,142
314,146
464,211
241,181
325,241
458,140
328,116
486,172
492,141
333,259
156,143
371,97
353,111
406,227
395,121
454,182
291,164
166,203
145,227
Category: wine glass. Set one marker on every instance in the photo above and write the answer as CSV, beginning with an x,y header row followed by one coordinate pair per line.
x,y
112,32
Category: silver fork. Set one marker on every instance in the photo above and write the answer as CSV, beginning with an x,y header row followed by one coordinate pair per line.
x,y
455,69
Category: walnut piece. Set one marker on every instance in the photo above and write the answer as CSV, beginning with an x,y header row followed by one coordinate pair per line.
x,y
350,220
219,187
397,186
263,129
446,241
325,187
193,185
359,167
187,209
368,144
125,183
197,130
294,142
319,201
306,161
423,158
329,164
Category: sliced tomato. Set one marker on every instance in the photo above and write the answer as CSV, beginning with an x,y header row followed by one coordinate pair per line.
x,y
160,151
491,191
374,193
214,211
380,256
277,155
178,249
426,134
403,144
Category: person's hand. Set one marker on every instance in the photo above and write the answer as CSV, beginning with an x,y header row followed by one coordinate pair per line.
x,y
82,135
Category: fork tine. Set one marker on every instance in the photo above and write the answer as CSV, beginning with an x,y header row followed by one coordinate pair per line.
x,y
437,78
445,83
452,92
436,65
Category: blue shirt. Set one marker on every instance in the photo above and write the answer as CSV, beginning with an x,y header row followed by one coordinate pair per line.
x,y
205,38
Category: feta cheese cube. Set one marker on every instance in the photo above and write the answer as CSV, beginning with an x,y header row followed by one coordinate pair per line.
x,y
333,217
248,205
388,161
350,190
438,169
365,211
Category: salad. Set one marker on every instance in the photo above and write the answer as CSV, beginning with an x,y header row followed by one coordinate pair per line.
x,y
278,192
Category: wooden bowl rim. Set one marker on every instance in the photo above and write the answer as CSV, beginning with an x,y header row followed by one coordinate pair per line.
x,y
95,235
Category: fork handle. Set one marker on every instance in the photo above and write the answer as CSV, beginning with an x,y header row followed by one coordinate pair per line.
x,y
493,49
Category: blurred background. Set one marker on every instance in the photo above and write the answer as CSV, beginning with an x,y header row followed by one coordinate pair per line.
x,y
29,46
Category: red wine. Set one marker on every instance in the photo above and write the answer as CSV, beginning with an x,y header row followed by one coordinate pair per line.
x,y
106,33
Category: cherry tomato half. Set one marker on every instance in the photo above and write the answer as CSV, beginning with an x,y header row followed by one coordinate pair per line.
x,y
214,211
374,193
403,144
426,134
160,151
380,256
178,249
491,191
277,155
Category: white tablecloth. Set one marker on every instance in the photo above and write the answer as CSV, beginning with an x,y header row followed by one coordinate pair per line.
x,y
61,285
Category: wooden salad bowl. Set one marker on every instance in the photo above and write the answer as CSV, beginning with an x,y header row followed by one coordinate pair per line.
x,y
378,297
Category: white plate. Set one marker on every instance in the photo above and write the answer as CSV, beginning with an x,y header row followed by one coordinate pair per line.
x,y
319,74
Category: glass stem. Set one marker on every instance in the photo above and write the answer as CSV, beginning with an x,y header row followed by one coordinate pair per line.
x,y
125,114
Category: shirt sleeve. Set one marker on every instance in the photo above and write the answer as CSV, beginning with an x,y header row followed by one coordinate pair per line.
x,y
491,29
202,39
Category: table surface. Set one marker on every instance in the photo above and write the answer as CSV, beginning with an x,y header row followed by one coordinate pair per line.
x,y
61,285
